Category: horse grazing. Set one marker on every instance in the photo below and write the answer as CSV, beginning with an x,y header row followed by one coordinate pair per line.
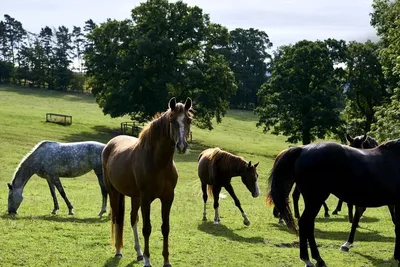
x,y
51,160
365,178
143,169
216,169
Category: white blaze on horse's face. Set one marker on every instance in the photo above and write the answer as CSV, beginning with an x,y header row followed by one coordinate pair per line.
x,y
181,141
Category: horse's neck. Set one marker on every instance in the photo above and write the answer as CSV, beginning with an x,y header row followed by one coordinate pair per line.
x,y
23,174
237,168
163,152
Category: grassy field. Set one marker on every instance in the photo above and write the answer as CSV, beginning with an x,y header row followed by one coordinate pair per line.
x,y
36,238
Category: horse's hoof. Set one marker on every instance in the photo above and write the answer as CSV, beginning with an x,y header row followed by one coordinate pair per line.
x,y
139,258
204,219
101,213
246,222
71,212
344,248
322,264
147,265
167,265
335,212
327,215
118,255
54,212
310,264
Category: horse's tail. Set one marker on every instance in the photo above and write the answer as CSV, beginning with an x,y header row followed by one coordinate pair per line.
x,y
117,203
210,191
281,181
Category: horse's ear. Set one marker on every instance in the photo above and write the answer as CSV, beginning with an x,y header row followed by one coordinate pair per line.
x,y
172,103
364,138
255,165
9,186
249,165
349,138
188,103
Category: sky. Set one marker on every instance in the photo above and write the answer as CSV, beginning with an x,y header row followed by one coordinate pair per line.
x,y
285,21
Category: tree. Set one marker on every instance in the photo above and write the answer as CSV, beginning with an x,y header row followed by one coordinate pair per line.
x,y
303,97
166,49
247,55
386,20
78,41
366,86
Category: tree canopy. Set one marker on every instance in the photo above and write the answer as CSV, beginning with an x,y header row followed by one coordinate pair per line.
x,y
303,97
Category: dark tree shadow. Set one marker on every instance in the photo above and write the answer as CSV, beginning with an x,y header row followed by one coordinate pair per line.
x,y
112,262
99,133
378,262
336,218
222,230
56,218
371,236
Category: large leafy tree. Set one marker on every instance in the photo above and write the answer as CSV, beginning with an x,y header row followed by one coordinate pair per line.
x,y
166,49
366,88
386,20
303,97
247,55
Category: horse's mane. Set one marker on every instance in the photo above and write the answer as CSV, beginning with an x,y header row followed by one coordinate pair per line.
x,y
225,160
27,156
391,144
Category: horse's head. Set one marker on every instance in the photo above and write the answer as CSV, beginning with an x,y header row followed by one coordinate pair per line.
x,y
250,179
180,119
362,141
14,199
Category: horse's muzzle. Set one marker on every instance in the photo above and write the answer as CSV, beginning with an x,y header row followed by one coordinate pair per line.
x,y
181,147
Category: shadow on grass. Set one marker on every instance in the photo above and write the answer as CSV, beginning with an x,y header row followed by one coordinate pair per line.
x,y
371,236
41,92
56,218
335,218
112,262
99,133
377,262
222,230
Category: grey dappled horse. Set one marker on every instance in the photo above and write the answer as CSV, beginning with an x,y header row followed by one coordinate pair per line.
x,y
51,160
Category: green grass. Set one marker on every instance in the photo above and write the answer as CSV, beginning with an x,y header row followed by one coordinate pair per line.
x,y
35,238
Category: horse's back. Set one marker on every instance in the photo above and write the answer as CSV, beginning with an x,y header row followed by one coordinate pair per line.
x,y
353,175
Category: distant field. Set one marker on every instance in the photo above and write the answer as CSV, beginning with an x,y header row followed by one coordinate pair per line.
x,y
36,238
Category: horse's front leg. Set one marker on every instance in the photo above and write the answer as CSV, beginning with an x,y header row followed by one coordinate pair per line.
x,y
338,207
145,203
216,190
135,203
231,192
56,181
354,225
53,195
166,203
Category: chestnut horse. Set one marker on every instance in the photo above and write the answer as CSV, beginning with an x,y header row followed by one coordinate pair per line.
x,y
143,169
216,169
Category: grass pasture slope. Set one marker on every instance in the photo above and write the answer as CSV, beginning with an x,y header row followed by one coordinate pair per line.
x,y
36,238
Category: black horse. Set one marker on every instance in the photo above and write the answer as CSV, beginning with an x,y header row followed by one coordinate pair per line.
x,y
363,177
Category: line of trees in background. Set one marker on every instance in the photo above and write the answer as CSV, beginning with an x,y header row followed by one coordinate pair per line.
x,y
313,89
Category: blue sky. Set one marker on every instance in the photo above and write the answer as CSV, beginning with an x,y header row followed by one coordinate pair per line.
x,y
285,21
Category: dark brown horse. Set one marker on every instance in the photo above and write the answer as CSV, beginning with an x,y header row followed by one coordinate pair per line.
x,y
216,169
143,169
363,177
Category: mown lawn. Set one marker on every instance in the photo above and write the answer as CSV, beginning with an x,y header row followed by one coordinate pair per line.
x,y
36,238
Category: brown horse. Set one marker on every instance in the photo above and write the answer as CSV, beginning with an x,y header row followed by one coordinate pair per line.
x,y
216,169
143,169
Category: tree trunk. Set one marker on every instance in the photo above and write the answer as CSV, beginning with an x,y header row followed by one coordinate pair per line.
x,y
306,136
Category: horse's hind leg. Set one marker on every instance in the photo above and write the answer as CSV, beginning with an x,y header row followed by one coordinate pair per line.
x,y
306,228
56,181
359,212
117,204
230,190
204,190
135,202
350,209
53,195
99,174
145,203
397,232
338,207
296,197
166,203
326,214
392,214
216,190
